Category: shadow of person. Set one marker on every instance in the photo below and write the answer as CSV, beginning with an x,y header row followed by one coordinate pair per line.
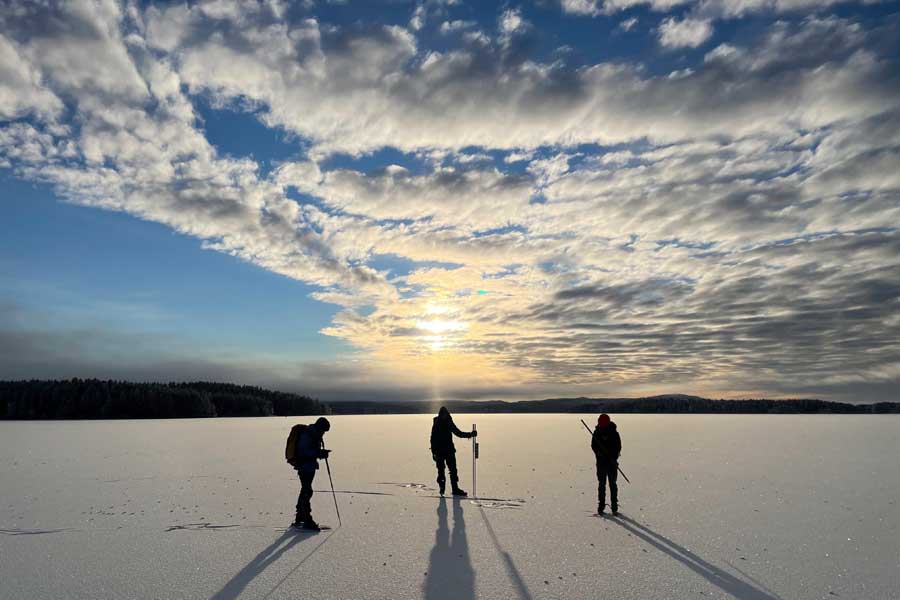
x,y
256,566
724,580
450,573
511,569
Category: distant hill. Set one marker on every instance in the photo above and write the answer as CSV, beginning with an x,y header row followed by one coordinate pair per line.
x,y
670,403
96,399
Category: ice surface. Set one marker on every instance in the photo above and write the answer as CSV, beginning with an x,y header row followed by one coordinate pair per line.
x,y
757,507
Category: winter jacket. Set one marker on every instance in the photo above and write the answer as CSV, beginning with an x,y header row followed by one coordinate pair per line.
x,y
309,449
442,433
606,443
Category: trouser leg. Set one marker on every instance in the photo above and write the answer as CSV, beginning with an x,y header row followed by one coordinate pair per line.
x,y
601,484
612,473
304,504
441,475
451,466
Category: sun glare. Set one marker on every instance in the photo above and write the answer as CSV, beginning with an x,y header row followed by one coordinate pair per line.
x,y
440,326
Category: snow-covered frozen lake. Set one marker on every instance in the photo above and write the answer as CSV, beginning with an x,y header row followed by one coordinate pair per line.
x,y
752,507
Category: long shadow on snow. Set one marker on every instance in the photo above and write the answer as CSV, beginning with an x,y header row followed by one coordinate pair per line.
x,y
722,579
255,567
450,573
511,569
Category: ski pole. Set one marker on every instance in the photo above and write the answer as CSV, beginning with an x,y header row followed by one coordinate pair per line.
x,y
333,493
617,464
474,463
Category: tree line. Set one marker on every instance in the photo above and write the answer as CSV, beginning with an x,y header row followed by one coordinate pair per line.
x,y
99,399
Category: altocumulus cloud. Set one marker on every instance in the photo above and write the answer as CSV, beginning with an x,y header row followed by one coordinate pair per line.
x,y
687,32
728,227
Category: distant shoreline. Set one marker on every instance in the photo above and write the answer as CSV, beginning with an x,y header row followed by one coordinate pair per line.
x,y
97,399
665,404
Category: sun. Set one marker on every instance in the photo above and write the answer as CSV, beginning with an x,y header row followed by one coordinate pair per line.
x,y
439,328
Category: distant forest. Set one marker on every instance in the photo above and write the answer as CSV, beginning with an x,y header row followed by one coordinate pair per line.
x,y
96,399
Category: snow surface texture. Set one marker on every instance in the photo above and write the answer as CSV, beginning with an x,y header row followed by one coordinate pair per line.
x,y
750,507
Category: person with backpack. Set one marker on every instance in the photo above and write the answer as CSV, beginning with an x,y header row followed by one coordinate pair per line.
x,y
607,446
305,446
444,452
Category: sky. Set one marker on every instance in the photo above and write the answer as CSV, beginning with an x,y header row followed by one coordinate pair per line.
x,y
387,199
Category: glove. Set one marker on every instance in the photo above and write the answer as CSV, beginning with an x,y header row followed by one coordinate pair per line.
x,y
474,434
323,453
434,457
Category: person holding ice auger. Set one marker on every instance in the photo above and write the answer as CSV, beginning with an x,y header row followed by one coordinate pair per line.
x,y
304,449
444,452
607,445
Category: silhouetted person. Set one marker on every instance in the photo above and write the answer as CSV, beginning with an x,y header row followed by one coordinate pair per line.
x,y
444,452
308,448
607,445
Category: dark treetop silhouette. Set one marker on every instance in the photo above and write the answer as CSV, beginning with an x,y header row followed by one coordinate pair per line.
x,y
96,399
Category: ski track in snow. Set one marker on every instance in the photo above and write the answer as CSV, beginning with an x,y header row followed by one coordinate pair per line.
x,y
412,486
354,492
498,504
34,531
492,503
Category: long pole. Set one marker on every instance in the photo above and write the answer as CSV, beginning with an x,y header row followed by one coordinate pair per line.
x,y
617,464
333,493
474,463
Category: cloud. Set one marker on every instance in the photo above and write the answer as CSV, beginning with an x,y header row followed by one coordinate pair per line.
x,y
710,8
21,89
456,25
468,198
580,7
726,226
136,148
361,90
612,6
511,21
737,8
686,33
628,24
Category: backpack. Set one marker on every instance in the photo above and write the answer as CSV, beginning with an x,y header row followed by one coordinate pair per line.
x,y
290,449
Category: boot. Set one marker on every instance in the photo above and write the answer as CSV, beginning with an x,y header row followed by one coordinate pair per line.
x,y
457,491
615,508
303,513
311,525
441,486
600,507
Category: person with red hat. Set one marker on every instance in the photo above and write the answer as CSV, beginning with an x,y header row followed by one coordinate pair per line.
x,y
607,445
